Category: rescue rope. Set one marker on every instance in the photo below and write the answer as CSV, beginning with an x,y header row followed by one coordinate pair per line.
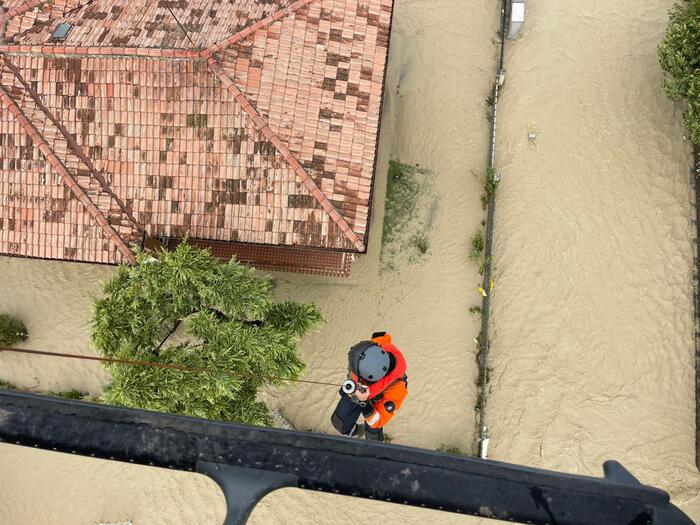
x,y
183,368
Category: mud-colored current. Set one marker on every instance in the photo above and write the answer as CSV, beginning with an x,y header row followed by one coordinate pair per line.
x,y
592,323
592,315
440,71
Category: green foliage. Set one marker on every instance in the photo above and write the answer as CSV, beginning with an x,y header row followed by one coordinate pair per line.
x,y
449,449
484,262
475,309
293,317
402,193
236,331
12,330
491,184
67,394
407,216
7,385
70,394
477,247
476,253
679,54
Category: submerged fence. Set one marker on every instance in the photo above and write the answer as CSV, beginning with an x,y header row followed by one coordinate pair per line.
x,y
483,341
695,173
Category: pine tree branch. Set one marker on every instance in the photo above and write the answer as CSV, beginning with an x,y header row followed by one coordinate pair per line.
x,y
156,351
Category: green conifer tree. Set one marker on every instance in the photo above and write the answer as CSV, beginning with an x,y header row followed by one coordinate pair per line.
x,y
232,323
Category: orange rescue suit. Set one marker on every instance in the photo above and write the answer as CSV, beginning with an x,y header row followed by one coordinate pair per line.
x,y
387,395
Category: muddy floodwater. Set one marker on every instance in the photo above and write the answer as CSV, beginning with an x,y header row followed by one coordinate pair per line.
x,y
440,71
592,320
592,315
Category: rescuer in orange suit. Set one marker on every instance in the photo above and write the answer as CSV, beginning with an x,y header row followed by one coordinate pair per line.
x,y
375,389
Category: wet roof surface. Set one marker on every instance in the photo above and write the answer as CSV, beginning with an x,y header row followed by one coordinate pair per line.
x,y
263,131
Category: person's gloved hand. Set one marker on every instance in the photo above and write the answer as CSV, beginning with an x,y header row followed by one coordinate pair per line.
x,y
362,393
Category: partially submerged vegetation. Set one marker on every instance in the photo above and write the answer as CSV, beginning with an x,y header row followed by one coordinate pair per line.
x,y
477,254
679,54
490,186
450,449
72,394
12,330
477,250
234,330
477,247
406,215
67,394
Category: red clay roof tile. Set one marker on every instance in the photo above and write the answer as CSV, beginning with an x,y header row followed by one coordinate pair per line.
x,y
269,137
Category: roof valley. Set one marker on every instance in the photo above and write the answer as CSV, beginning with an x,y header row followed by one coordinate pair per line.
x,y
100,210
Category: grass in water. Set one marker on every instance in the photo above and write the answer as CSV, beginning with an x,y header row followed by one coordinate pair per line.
x,y
490,186
402,192
475,309
405,227
477,247
66,394
420,241
70,394
491,182
482,265
451,450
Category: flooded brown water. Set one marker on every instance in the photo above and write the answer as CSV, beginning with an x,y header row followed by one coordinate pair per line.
x,y
592,313
440,70
593,316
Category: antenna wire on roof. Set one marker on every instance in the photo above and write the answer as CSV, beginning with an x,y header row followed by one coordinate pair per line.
x,y
167,5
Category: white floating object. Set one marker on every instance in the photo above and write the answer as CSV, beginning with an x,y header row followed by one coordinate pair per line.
x,y
517,17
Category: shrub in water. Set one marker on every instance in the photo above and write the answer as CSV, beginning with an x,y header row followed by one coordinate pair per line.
x,y
12,330
477,247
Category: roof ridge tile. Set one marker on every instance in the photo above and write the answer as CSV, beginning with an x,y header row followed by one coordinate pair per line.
x,y
144,52
249,30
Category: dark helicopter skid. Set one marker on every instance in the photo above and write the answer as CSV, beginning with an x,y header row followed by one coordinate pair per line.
x,y
248,462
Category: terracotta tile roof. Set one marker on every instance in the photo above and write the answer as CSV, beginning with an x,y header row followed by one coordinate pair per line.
x,y
262,132
17,16
148,23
